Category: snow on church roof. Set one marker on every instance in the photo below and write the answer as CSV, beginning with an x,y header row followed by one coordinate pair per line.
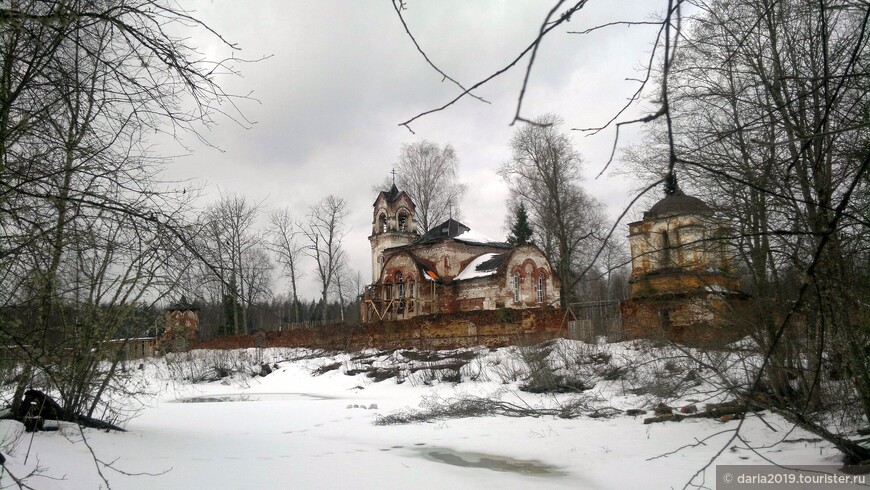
x,y
474,237
477,267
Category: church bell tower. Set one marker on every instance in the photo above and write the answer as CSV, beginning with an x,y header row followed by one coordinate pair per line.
x,y
393,225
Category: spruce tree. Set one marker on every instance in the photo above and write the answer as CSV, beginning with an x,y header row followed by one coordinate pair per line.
x,y
521,230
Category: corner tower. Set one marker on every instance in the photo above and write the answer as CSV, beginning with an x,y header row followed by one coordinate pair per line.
x,y
393,225
683,284
680,246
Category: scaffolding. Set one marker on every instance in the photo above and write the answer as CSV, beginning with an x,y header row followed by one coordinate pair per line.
x,y
389,302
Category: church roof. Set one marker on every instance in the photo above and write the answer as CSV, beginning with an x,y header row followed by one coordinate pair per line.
x,y
426,270
482,266
457,231
390,195
677,203
447,229
182,305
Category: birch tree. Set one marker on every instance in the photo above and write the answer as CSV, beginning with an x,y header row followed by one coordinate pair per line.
x,y
324,232
232,243
429,173
284,234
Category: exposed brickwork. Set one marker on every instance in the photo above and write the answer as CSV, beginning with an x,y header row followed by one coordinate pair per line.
x,y
683,286
442,331
708,319
423,296
181,324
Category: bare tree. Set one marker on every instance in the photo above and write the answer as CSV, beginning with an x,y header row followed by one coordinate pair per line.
x,y
429,174
231,241
88,232
342,285
324,231
544,174
777,145
767,100
283,233
256,276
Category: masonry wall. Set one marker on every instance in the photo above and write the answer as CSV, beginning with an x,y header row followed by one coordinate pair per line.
x,y
693,319
441,331
682,281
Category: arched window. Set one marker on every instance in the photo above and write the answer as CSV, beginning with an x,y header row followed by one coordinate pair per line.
x,y
400,286
403,221
541,286
516,287
411,288
382,223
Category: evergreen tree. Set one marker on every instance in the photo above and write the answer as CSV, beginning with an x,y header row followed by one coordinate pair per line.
x,y
521,230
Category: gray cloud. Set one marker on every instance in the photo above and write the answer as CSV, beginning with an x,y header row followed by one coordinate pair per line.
x,y
342,75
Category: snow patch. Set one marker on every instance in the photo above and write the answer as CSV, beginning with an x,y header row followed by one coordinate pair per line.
x,y
471,270
474,237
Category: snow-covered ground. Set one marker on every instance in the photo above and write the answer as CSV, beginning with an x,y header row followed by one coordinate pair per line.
x,y
297,429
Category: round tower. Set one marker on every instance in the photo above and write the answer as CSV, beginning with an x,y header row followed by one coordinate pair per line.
x,y
679,246
393,225
683,284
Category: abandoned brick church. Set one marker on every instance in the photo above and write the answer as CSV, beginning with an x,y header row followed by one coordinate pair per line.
x,y
683,283
447,269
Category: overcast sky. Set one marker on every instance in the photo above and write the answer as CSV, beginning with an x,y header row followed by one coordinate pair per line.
x,y
341,75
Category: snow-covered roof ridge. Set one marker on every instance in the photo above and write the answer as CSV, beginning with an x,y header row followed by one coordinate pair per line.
x,y
477,267
472,236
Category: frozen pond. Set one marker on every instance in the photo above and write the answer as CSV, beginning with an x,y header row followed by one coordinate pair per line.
x,y
296,429
491,462
251,397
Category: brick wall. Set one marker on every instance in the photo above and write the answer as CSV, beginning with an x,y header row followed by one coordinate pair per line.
x,y
443,331
693,319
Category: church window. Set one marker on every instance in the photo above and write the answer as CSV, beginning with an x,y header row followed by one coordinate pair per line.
x,y
665,319
666,251
411,288
540,288
400,286
403,222
516,287
382,223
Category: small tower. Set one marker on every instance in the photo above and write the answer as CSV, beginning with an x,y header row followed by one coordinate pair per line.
x,y
683,285
393,225
182,325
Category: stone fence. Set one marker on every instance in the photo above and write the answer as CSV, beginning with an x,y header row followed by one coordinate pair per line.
x,y
492,328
